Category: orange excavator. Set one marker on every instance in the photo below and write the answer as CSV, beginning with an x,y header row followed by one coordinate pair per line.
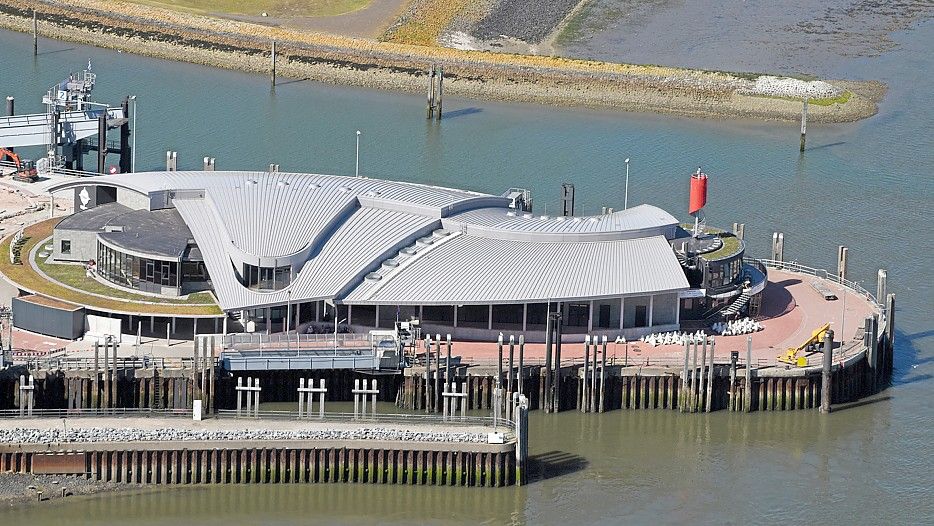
x,y
25,169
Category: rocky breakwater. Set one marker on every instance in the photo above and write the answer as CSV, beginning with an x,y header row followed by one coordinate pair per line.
x,y
126,435
475,74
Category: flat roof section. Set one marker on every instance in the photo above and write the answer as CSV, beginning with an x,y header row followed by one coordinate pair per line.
x,y
160,233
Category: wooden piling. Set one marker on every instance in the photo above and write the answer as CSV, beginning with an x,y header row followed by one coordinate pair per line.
x,y
431,93
440,92
35,33
825,372
272,68
709,404
747,389
804,123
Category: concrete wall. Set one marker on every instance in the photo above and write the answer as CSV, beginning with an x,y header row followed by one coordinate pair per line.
x,y
83,245
131,199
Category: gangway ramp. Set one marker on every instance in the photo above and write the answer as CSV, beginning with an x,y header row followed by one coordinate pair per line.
x,y
35,130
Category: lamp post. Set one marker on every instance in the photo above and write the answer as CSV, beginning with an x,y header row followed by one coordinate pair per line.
x,y
357,169
133,147
336,323
626,198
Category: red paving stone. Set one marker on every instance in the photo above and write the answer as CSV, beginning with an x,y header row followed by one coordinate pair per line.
x,y
39,343
791,308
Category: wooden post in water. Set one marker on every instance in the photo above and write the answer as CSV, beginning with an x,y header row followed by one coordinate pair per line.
x,y
548,342
431,92
825,372
582,396
212,364
97,377
804,122
447,372
510,377
272,62
702,380
734,356
428,401
35,33
683,392
519,374
713,345
440,92
693,382
747,391
889,333
556,400
603,377
106,375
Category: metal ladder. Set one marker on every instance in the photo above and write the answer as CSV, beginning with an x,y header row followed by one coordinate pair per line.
x,y
156,390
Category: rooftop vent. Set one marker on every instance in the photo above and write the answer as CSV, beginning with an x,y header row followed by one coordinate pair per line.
x,y
345,189
282,184
510,214
408,251
390,263
373,276
527,216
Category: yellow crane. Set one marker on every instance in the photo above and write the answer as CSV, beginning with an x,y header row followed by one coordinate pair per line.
x,y
791,355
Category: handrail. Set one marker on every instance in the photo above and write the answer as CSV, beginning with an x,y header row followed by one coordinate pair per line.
x,y
823,274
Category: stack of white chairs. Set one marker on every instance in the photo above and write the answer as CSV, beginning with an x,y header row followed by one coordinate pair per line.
x,y
737,327
674,338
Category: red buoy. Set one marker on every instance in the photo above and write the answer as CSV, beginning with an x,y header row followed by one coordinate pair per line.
x,y
698,191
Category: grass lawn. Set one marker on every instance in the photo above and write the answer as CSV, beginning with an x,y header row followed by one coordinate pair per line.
x,y
257,7
26,277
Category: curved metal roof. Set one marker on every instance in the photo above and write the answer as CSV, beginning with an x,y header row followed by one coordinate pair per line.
x,y
445,245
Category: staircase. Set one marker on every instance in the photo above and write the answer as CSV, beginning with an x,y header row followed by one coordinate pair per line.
x,y
156,402
741,301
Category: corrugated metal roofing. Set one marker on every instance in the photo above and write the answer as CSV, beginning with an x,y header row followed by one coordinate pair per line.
x,y
639,221
470,269
366,237
338,229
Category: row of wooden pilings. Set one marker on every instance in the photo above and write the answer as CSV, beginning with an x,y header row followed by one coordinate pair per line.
x,y
275,465
701,386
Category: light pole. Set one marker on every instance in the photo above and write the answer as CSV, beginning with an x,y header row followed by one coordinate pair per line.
x,y
336,323
357,169
626,198
133,147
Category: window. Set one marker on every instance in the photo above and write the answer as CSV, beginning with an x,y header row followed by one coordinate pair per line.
x,y
66,246
266,278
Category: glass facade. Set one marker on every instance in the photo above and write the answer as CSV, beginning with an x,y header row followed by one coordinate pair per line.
x,y
723,273
266,278
135,272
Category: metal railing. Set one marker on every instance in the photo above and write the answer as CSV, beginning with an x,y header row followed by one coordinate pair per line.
x,y
90,413
389,418
83,363
823,274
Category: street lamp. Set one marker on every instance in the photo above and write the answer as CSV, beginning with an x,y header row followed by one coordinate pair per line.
x,y
133,147
357,170
336,323
288,319
626,198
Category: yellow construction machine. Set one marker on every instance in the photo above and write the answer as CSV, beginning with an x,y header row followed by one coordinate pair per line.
x,y
791,355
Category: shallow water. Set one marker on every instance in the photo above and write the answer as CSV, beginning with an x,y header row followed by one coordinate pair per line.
x,y
865,185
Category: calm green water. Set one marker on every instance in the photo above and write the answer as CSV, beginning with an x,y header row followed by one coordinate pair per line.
x,y
866,185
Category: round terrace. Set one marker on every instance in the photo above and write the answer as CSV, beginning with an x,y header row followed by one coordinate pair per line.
x,y
793,307
26,262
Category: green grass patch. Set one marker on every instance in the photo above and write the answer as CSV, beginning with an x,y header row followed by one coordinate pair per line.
x,y
276,8
26,277
830,101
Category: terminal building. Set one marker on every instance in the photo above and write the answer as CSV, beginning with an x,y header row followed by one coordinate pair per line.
x,y
287,251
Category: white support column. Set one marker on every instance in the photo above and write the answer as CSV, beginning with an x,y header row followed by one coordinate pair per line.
x,y
268,320
590,318
349,310
377,316
677,310
489,319
651,309
421,313
455,316
525,316
298,317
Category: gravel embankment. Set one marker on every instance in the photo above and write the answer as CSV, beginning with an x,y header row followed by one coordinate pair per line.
x,y
90,435
527,20
489,76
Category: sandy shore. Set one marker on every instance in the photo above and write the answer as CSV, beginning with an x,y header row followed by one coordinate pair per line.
x,y
473,74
